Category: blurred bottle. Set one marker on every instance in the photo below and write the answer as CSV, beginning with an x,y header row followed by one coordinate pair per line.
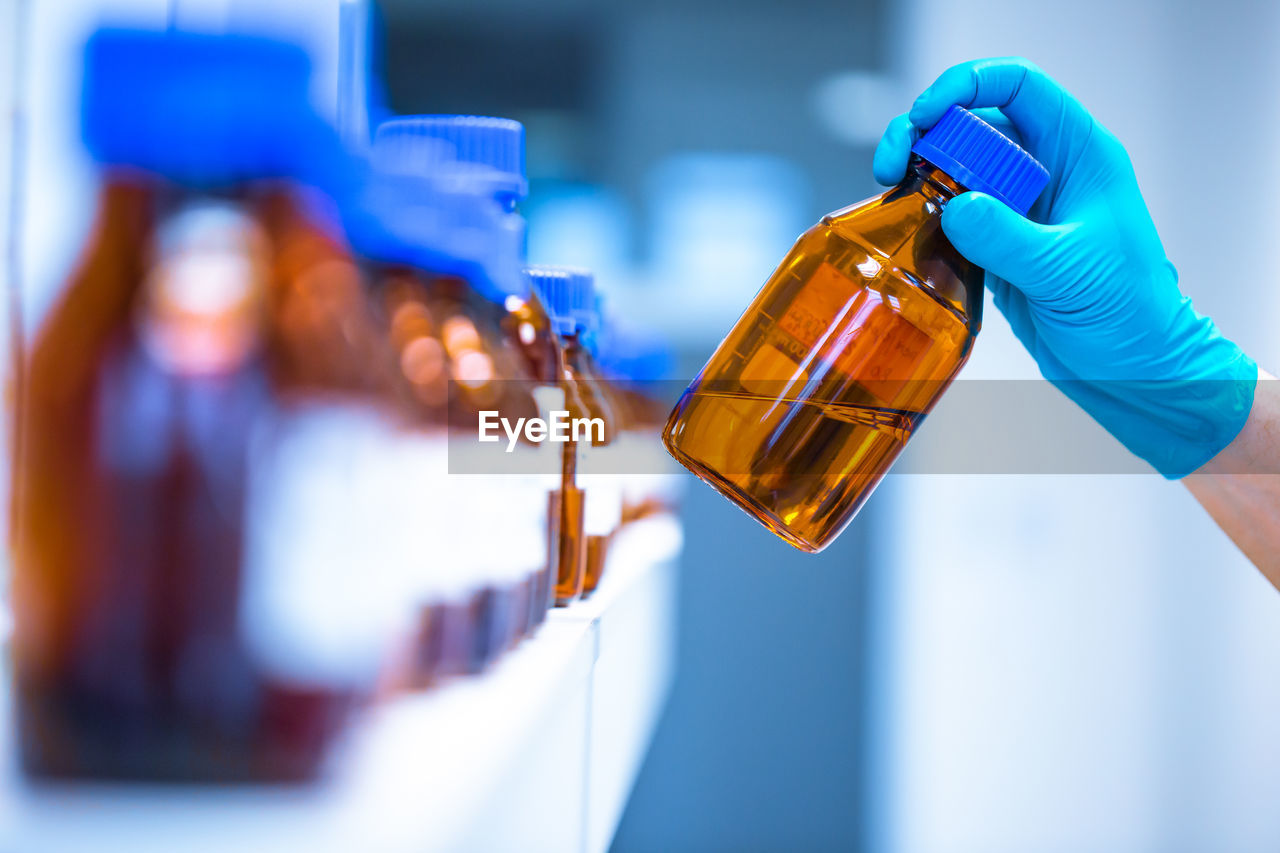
x,y
487,162
433,240
587,518
146,383
601,465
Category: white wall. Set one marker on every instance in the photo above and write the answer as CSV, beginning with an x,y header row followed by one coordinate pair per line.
x,y
1086,663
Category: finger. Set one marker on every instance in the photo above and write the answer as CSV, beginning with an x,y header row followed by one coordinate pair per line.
x,y
992,235
894,150
1030,98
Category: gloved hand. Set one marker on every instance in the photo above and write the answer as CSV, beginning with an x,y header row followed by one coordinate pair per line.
x,y
1084,282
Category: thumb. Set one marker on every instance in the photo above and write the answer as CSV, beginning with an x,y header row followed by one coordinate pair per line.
x,y
992,235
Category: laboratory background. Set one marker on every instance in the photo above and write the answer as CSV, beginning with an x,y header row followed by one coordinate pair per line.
x,y
1011,662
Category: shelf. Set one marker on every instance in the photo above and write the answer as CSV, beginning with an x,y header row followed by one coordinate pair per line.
x,y
538,754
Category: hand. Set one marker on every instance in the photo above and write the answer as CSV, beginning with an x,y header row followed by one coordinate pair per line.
x,y
1084,282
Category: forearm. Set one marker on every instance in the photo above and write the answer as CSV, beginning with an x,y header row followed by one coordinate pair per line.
x,y
1240,487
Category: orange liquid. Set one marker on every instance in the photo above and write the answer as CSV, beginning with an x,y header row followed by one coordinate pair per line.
x,y
589,396
571,567
548,577
597,552
813,394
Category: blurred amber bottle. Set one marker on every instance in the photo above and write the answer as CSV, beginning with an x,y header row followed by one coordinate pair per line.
x,y
813,394
448,283
569,295
602,468
142,388
485,162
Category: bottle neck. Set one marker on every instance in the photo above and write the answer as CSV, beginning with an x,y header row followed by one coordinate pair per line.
x,y
577,357
529,325
202,298
573,344
931,182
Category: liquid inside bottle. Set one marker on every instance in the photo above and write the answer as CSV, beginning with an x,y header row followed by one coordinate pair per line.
x,y
570,501
814,393
602,512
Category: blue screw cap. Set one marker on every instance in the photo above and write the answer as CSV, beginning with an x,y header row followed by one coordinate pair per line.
x,y
979,157
411,154
568,294
442,230
206,110
497,143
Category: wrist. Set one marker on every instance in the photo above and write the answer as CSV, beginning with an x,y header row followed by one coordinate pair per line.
x,y
1201,398
1182,416
1255,449
1203,414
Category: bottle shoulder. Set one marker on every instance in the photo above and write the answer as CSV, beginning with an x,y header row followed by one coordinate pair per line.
x,y
901,231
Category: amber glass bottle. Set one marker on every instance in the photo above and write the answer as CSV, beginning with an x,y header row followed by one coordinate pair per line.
x,y
485,155
144,385
569,296
426,245
602,462
813,394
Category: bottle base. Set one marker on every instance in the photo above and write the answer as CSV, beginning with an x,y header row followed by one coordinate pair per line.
x,y
742,500
69,734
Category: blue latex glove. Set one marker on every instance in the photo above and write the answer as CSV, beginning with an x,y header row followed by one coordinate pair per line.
x,y
1084,282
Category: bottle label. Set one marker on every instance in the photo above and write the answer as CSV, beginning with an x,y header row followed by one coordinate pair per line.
x,y
857,330
324,583
200,309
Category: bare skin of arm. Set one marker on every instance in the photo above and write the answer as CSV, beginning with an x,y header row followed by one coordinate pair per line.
x,y
1240,487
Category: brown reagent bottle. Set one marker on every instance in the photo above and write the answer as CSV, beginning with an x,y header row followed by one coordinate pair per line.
x,y
810,398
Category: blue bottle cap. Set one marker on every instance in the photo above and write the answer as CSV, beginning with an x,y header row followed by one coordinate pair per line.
x,y
979,157
568,294
206,110
497,143
411,154
441,230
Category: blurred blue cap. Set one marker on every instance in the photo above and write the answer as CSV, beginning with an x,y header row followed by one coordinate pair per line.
x,y
411,154
206,109
494,143
568,293
443,229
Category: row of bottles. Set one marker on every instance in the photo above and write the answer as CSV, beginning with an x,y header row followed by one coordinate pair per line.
x,y
239,507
